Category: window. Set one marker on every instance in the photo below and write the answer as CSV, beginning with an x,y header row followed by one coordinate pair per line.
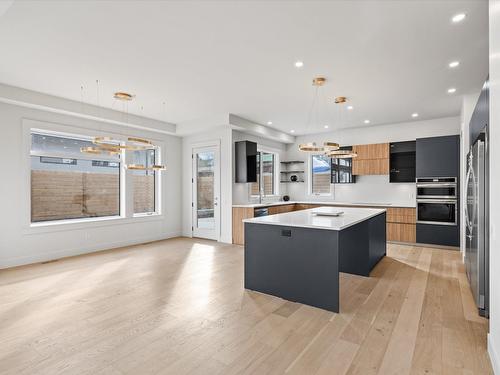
x,y
266,167
342,171
144,182
45,159
67,184
321,174
105,163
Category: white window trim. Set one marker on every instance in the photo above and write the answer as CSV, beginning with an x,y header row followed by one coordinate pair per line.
x,y
277,172
126,216
310,180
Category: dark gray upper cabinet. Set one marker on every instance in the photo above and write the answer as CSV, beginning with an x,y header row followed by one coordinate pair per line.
x,y
438,156
245,161
402,161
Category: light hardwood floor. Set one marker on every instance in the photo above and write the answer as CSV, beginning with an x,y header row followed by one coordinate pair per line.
x,y
179,307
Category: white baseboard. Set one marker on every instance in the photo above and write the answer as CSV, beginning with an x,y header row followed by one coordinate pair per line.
x,y
493,355
226,240
45,257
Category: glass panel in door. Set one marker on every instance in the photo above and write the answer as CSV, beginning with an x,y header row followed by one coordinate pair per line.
x,y
206,187
205,217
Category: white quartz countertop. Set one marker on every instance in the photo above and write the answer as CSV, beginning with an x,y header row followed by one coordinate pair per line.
x,y
309,219
327,203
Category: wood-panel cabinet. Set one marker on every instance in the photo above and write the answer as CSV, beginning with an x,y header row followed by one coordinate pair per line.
x,y
401,215
273,210
372,151
372,159
401,224
302,206
401,232
240,214
370,167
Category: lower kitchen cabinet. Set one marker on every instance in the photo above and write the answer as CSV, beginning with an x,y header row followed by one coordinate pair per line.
x,y
240,214
273,210
302,206
401,232
401,224
446,235
401,215
400,220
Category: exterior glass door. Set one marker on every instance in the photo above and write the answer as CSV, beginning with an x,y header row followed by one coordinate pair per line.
x,y
206,210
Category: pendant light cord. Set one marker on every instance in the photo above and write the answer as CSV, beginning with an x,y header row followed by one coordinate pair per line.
x,y
311,110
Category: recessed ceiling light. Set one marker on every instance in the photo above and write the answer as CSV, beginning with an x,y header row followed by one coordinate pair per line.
x,y
454,64
292,131
299,64
367,121
451,90
269,123
326,126
350,107
414,114
458,17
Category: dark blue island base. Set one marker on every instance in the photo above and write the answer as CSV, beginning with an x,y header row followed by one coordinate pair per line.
x,y
303,264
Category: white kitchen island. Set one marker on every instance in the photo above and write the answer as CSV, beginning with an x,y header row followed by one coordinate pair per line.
x,y
298,255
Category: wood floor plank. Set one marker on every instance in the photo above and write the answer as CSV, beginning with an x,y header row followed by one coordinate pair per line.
x,y
178,307
399,353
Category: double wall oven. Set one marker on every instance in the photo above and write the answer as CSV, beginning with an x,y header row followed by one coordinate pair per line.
x,y
437,200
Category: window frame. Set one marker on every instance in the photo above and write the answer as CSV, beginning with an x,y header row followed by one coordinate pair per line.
x,y
341,168
156,190
126,189
311,175
276,173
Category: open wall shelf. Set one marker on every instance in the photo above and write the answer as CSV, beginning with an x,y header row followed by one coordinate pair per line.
x,y
290,168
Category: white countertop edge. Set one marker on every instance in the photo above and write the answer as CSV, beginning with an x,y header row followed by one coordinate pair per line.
x,y
284,223
283,203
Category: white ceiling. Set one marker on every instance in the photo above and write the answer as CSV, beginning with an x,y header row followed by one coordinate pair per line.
x,y
390,58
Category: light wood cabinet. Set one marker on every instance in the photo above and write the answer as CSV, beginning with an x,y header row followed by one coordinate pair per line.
x,y
273,210
240,214
372,151
401,215
370,167
401,232
372,159
401,224
301,206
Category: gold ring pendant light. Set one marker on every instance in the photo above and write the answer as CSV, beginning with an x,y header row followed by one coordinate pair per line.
x,y
331,149
312,146
111,146
341,154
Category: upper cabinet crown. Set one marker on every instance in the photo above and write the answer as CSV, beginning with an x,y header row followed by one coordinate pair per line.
x,y
438,156
372,159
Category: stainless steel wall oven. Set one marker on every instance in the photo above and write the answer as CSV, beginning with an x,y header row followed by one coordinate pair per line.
x,y
437,200
437,188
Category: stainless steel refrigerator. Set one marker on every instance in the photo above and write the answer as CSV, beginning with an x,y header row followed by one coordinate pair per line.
x,y
476,210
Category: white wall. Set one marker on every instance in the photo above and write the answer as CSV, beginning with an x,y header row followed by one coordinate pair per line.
x,y
371,189
494,335
241,191
20,245
223,135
